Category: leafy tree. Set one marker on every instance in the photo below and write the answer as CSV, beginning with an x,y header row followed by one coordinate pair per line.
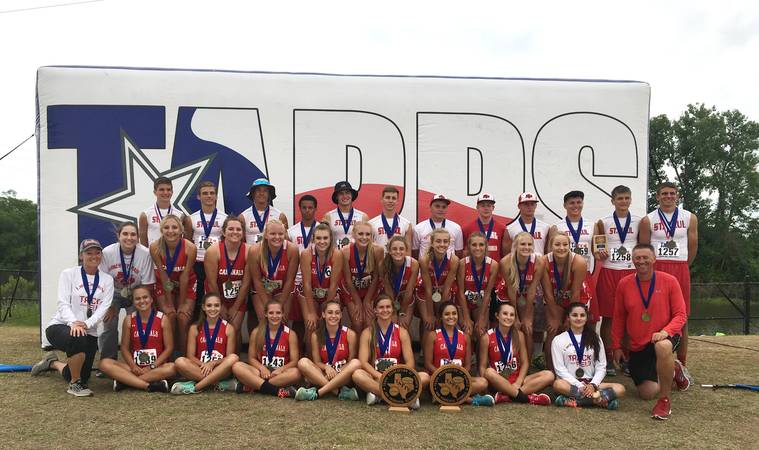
x,y
18,233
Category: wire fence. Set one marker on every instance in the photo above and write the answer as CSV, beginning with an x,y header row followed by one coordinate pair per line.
x,y
729,308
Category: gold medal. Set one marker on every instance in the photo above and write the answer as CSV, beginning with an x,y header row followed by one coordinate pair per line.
x,y
320,292
206,245
579,373
645,316
268,286
345,241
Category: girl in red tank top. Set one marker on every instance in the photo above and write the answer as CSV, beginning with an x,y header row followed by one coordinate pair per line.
x,y
272,357
477,274
175,286
326,264
274,264
399,275
210,351
333,358
146,346
381,346
504,362
437,283
361,275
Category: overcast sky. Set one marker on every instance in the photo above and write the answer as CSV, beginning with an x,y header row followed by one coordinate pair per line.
x,y
689,51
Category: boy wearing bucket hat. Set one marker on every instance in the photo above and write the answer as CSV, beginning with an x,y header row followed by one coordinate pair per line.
x,y
342,218
262,193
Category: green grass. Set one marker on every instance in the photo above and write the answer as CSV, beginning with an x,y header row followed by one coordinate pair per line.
x,y
23,313
38,413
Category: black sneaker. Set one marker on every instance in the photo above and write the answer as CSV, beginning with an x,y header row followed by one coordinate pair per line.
x,y
159,386
117,386
77,389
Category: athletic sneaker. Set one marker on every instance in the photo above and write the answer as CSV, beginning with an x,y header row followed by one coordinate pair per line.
x,y
44,364
682,378
414,406
662,409
306,394
348,394
226,385
117,386
159,386
563,400
186,387
371,399
625,367
539,399
611,371
243,389
288,392
99,374
78,389
483,400
500,397
613,405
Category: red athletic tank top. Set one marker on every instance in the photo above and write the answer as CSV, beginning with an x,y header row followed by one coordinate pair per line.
x,y
440,353
281,354
145,356
219,348
341,354
494,356
236,277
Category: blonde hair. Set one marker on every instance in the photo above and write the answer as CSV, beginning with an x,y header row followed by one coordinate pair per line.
x,y
324,226
515,326
513,279
432,235
264,254
387,262
261,328
375,327
161,240
566,266
369,268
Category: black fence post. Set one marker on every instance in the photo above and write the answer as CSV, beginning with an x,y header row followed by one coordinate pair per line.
x,y
746,306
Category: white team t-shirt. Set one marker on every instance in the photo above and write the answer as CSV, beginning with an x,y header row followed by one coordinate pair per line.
x,y
620,254
295,234
585,246
565,361
423,229
540,236
154,215
199,233
72,299
378,229
253,233
139,263
342,238
670,248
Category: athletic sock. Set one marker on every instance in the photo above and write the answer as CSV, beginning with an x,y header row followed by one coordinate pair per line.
x,y
520,397
268,388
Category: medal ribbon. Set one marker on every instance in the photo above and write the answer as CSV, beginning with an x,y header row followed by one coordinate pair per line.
x,y
271,347
321,269
579,348
575,233
209,337
344,222
331,344
90,294
398,278
670,226
532,226
646,301
479,279
523,276
274,262
621,231
383,340
438,269
306,236
259,221
504,348
360,266
234,261
556,276
206,226
490,228
171,261
432,224
145,334
389,231
158,211
125,270
451,346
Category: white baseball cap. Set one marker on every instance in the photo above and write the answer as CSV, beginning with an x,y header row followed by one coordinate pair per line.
x,y
527,197
485,197
441,198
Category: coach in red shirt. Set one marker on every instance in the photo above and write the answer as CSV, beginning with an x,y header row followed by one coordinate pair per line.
x,y
650,309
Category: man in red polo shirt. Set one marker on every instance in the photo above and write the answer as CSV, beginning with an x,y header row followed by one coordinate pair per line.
x,y
650,309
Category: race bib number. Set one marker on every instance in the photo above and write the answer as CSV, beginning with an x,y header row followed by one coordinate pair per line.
x,y
502,368
580,249
474,297
214,356
445,361
667,249
362,283
621,254
338,365
382,364
145,357
230,289
275,363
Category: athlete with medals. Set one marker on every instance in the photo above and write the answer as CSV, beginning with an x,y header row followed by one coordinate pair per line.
x,y
650,311
345,216
272,357
130,265
521,272
227,269
504,361
450,345
563,283
150,219
206,230
262,195
175,280
389,223
210,352
361,275
580,364
576,228
493,230
326,270
437,285
399,278
147,343
333,358
422,231
476,278
301,234
381,346
621,230
673,231
528,223
272,264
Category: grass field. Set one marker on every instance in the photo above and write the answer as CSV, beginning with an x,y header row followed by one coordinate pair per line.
x,y
38,412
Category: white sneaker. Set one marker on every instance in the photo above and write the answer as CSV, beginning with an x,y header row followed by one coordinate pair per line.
x,y
414,406
77,389
371,399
